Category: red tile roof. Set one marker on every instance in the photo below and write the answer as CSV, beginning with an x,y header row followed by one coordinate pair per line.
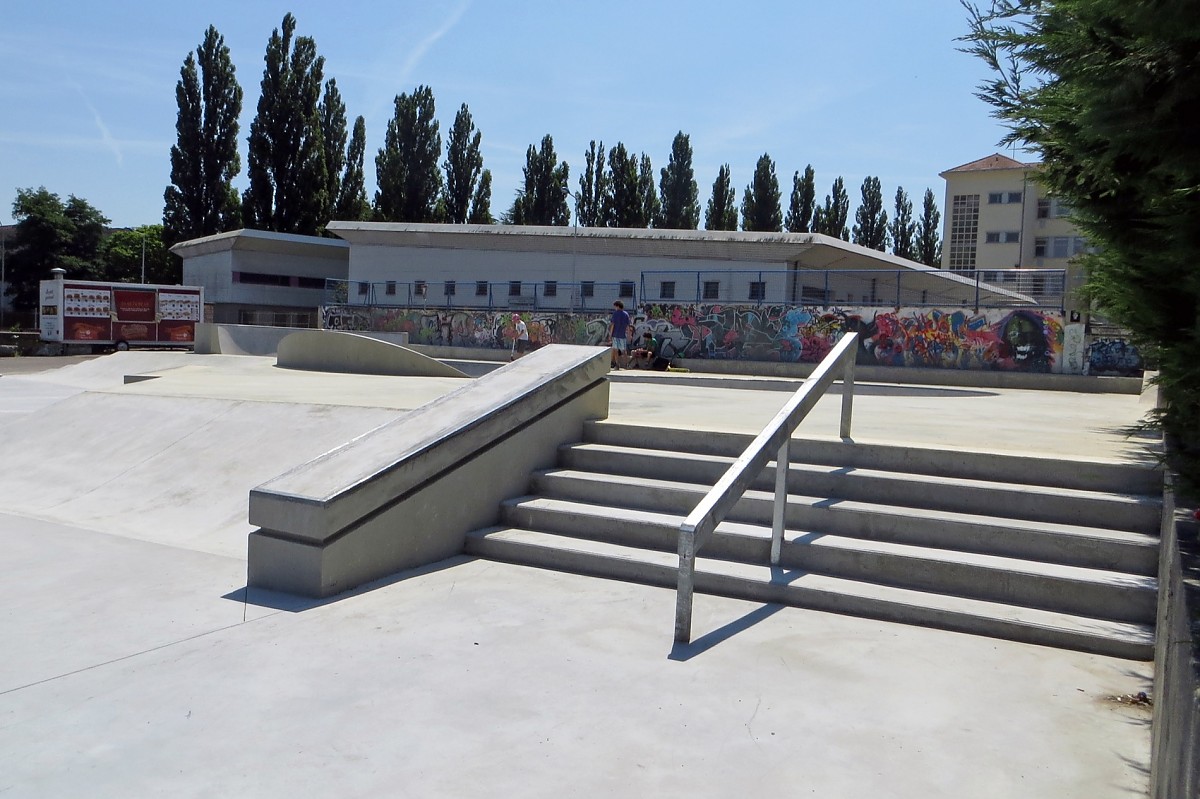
x,y
993,161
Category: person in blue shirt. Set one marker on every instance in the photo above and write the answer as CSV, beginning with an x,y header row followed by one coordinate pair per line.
x,y
618,328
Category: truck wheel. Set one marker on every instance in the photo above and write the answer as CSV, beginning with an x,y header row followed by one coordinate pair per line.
x,y
122,346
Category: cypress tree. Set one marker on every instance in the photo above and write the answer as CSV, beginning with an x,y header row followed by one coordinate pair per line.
x,y
352,204
929,232
332,113
543,198
481,203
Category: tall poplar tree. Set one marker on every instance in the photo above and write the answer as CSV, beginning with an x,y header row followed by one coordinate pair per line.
x,y
332,113
406,167
929,232
721,211
352,204
287,171
543,198
834,213
624,205
651,208
591,200
481,202
463,165
760,201
870,220
679,194
803,202
903,228
201,199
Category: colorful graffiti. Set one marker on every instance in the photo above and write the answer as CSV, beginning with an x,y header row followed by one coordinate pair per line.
x,y
1012,340
1114,357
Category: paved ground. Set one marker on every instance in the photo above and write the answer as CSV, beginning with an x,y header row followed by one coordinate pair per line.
x,y
134,666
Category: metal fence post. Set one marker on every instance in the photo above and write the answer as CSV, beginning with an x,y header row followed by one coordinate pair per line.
x,y
779,514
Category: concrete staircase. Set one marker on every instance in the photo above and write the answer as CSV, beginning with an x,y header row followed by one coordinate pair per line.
x,y
1045,551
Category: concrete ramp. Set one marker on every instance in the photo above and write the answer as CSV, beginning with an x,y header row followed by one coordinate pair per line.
x,y
175,471
214,339
337,351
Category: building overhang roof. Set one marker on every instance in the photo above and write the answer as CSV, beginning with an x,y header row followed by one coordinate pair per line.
x,y
264,241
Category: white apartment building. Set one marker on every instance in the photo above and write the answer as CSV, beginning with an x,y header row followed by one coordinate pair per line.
x,y
998,216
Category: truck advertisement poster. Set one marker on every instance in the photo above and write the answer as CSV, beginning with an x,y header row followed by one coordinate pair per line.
x,y
119,314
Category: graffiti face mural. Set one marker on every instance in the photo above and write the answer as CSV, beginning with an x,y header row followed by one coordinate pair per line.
x,y
1019,340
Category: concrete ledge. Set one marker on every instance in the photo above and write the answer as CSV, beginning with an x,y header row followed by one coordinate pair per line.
x,y
407,493
337,351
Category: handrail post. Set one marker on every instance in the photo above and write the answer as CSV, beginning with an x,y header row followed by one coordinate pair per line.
x,y
686,586
848,392
779,515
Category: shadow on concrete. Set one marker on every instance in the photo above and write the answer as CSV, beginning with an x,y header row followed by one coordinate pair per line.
x,y
685,652
275,600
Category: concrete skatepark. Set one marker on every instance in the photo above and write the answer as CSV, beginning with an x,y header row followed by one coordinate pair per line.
x,y
145,665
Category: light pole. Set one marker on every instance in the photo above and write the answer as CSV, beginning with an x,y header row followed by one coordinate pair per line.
x,y
143,256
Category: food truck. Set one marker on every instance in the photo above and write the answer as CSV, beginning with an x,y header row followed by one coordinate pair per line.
x,y
120,315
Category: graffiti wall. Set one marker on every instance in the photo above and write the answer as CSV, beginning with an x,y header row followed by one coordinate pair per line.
x,y
1111,356
1015,340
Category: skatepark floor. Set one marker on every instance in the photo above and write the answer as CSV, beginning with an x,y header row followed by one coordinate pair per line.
x,y
138,664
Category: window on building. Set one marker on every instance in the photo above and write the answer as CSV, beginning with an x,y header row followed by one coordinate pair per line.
x,y
992,238
481,288
712,289
449,288
390,288
311,282
625,289
420,288
666,290
964,231
587,288
261,279
1001,197
1061,247
1060,209
758,290
514,288
1043,208
1014,197
811,295
995,197
363,288
550,288
1039,247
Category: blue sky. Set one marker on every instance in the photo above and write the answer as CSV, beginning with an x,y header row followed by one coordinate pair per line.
x,y
856,88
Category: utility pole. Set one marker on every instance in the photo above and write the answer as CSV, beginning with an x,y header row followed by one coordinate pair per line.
x,y
143,256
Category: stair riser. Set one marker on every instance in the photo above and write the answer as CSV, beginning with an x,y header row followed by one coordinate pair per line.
x,y
1064,595
856,523
1108,477
1116,514
664,576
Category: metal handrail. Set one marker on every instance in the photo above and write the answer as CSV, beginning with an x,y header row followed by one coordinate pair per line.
x,y
774,439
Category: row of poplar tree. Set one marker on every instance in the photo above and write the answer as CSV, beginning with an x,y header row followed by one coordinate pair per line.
x,y
306,168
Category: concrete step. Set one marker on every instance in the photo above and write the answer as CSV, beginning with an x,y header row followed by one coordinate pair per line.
x,y
1079,473
816,591
1047,586
1103,509
1070,545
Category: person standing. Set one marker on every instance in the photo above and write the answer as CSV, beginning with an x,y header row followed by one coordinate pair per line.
x,y
618,329
521,337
